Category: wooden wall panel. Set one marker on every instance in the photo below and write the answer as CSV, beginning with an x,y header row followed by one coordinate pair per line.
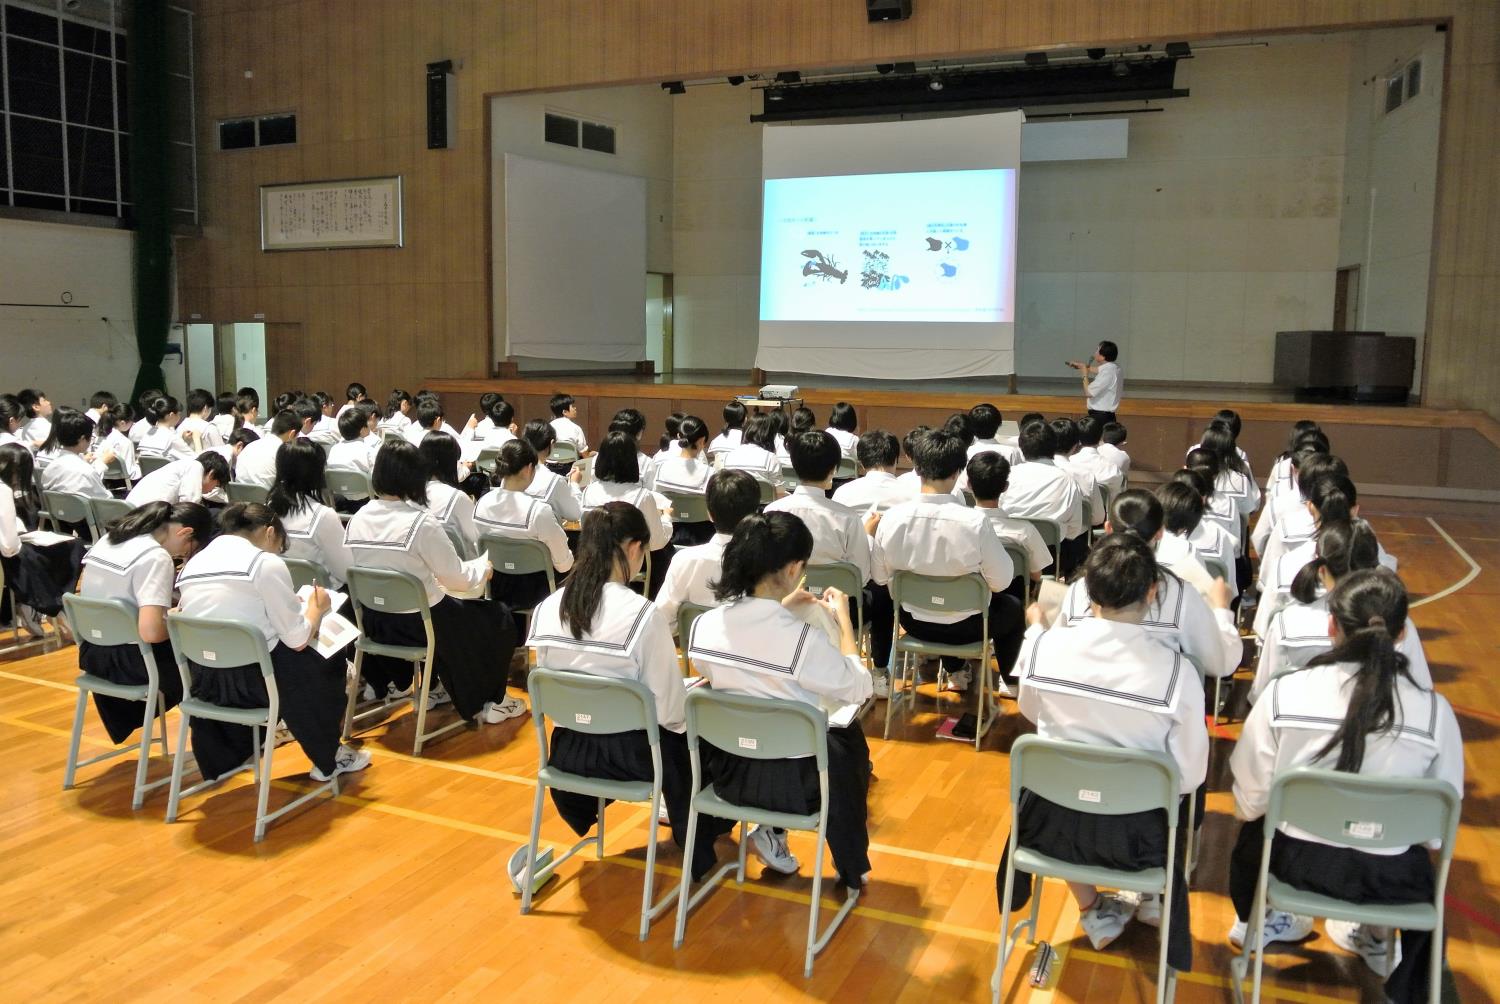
x,y
353,72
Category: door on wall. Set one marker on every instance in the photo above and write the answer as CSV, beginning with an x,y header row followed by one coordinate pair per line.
x,y
1346,299
659,321
242,357
201,352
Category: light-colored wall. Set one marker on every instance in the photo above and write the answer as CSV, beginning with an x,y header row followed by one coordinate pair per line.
x,y
1390,181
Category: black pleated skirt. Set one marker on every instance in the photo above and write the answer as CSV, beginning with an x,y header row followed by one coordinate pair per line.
x,y
474,640
690,534
41,575
123,664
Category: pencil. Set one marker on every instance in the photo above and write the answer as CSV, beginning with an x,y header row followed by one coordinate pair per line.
x,y
801,582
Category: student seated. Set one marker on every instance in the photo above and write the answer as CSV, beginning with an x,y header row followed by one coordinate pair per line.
x,y
12,416
617,477
756,454
502,419
839,533
564,414
1232,474
686,471
226,415
396,415
1228,421
239,576
1282,478
1039,489
182,480
801,420
38,424
1286,521
878,452
256,464
134,561
453,509
558,491
427,417
37,576
1348,710
936,534
1064,445
672,425
1113,438
1110,682
325,430
985,420
196,433
486,425
596,624
355,453
162,415
313,531
758,644
1208,538
733,432
62,461
731,496
989,473
354,395
1182,517
115,445
1329,498
507,511
843,426
1088,457
909,484
631,422
475,638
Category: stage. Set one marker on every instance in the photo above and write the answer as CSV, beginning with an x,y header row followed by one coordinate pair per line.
x,y
1408,452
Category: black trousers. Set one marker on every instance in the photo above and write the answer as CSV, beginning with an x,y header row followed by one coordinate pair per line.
x,y
1007,626
1349,874
473,643
123,664
1102,416
626,756
689,534
792,786
1074,552
1129,842
312,705
519,592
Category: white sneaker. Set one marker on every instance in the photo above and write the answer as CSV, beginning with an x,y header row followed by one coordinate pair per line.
x,y
437,696
662,818
1105,919
959,681
882,686
1148,910
770,846
366,694
1367,941
28,618
283,734
393,694
493,714
347,760
1280,926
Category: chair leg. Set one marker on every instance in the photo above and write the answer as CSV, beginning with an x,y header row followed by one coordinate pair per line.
x,y
352,692
599,839
651,864
144,759
420,693
685,885
817,899
161,714
264,794
1162,978
739,876
72,769
528,878
175,791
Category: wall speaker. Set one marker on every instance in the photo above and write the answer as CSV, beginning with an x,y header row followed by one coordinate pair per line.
x,y
442,105
887,10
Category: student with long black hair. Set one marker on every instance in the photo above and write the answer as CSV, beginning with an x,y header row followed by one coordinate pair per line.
x,y
313,530
446,500
686,471
596,624
617,477
396,415
843,425
161,414
507,511
62,463
1285,517
1232,474
38,575
756,454
12,417
560,492
733,431
759,644
1281,477
133,561
1182,504
1355,709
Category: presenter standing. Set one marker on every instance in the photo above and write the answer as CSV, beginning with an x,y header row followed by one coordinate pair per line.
x,y
1104,390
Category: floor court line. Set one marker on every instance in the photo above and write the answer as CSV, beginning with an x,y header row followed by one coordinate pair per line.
x,y
1469,577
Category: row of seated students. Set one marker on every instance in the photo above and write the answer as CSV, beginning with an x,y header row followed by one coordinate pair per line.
x,y
1092,668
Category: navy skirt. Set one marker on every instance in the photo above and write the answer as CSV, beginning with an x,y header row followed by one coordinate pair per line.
x,y
123,664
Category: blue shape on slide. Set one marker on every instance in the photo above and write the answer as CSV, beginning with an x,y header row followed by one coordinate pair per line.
x,y
961,243
949,271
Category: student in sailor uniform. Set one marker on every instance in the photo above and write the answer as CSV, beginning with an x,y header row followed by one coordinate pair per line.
x,y
313,530
113,444
12,415
239,576
195,433
143,408
757,454
38,576
189,480
507,511
985,420
163,413
256,464
839,533
1112,440
878,452
560,492
631,422
1282,478
733,432
989,472
247,403
1209,538
325,431
1109,681
66,469
445,499
731,497
685,471
596,624
396,415
1190,540
1040,489
1356,709
617,476
133,562
1287,521
758,644
474,638
1232,474
1299,629
936,534
843,423
38,426
668,442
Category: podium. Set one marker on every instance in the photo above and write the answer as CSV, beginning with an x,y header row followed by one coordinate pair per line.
x,y
1368,367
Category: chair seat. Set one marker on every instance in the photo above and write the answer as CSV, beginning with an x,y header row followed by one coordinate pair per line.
x,y
708,801
620,791
99,685
1409,916
907,643
408,652
238,716
1036,863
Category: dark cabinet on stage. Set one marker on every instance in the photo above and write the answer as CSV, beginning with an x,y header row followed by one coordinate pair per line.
x,y
1370,367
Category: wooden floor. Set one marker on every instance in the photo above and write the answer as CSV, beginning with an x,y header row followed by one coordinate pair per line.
x,y
396,891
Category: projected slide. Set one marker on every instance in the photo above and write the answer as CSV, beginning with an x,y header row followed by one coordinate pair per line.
x,y
911,248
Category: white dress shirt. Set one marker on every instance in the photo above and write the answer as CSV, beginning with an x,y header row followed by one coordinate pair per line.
x,y
455,511
1088,487
37,430
179,481
314,533
1116,456
1299,631
1299,714
757,461
1178,617
880,489
407,538
349,455
256,464
15,437
1106,388
232,579
326,432
1020,533
1039,489
569,431
1111,684
682,475
1103,470
208,435
837,531
481,430
138,430
120,445
517,515
139,571
10,524
66,471
937,535
1011,453
690,575
628,640
564,497
156,441
651,505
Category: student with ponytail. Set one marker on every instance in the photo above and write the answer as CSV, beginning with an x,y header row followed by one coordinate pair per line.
x,y
597,624
685,470
1286,518
733,431
133,561
160,415
1282,477
507,511
1355,709
12,418
617,477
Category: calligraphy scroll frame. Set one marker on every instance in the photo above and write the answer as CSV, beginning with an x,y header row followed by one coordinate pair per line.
x,y
392,236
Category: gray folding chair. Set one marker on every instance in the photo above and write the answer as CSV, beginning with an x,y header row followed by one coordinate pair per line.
x,y
518,556
843,576
347,484
767,491
1216,568
1021,560
563,453
1105,781
115,471
595,705
487,459
393,592
1052,536
761,729
391,436
1088,519
306,572
1368,813
14,624
240,491
210,642
114,622
789,476
106,511
848,469
688,508
939,594
149,463
687,613
70,507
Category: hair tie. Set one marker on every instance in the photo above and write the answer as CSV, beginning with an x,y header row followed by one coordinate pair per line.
x,y
1376,621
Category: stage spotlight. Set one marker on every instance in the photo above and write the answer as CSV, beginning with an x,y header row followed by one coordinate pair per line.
x,y
935,84
1120,69
789,77
1036,59
885,67
1095,53
735,81
906,67
673,87
1179,50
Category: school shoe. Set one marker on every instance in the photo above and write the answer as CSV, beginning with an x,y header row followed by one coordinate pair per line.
x,y
958,681
345,761
437,697
366,694
393,693
770,846
494,714
283,734
1280,926
1148,910
882,686
1365,940
1106,919
29,619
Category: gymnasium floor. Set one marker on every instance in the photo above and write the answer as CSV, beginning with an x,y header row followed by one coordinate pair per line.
x,y
396,891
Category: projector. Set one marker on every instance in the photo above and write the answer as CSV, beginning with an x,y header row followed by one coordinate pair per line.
x,y
778,391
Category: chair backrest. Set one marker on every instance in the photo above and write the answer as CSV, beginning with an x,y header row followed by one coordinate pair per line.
x,y
562,453
106,511
240,491
517,555
348,484
789,474
598,705
686,614
391,436
1216,567
213,642
305,572
969,498
115,471
1088,513
940,593
688,508
100,621
848,469
69,507
756,727
1102,780
485,462
767,491
150,462
1020,559
1050,530
841,575
1365,811
388,591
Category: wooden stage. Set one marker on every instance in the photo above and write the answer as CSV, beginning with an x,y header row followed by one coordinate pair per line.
x,y
396,890
1398,452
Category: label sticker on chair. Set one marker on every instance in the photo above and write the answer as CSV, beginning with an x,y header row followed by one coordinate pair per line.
x,y
1362,830
1089,795
510,566
95,634
749,743
582,719
938,601
379,601
210,656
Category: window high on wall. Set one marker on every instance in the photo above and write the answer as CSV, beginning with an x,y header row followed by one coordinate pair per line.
x,y
65,111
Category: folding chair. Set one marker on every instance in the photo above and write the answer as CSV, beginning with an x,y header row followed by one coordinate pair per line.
x,y
688,508
940,594
347,484
106,511
393,592
150,463
761,729
1368,813
518,556
848,469
14,626
767,492
70,507
485,462
844,577
562,453
1021,559
115,471
1052,536
391,436
789,476
687,613
1100,780
1088,520
114,622
306,573
241,491
211,642
595,705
